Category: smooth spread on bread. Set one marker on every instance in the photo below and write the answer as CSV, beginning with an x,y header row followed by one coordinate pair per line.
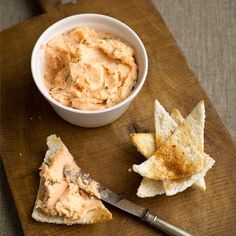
x,y
98,214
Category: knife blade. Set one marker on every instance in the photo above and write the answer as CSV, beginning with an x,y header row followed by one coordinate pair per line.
x,y
118,201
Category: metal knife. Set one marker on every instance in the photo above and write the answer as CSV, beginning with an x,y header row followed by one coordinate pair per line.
x,y
118,201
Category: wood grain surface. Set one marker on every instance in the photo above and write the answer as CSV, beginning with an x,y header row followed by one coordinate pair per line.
x,y
206,33
106,153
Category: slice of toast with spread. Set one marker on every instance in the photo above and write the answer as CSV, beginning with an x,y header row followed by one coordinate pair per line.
x,y
61,201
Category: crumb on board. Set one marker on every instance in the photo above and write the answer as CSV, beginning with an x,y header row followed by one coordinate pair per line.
x,y
40,117
20,154
129,170
31,118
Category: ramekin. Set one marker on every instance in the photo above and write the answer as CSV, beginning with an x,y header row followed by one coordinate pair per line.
x,y
98,22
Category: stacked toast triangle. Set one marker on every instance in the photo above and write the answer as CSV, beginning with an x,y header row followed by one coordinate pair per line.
x,y
175,153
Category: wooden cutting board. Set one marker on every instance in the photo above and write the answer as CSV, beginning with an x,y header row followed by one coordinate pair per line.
x,y
106,153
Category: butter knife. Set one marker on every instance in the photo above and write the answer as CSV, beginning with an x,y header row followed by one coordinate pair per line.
x,y
118,201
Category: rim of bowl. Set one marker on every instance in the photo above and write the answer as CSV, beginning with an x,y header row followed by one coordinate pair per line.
x,y
133,93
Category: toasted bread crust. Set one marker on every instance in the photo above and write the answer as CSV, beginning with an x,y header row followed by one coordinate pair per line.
x,y
144,142
175,161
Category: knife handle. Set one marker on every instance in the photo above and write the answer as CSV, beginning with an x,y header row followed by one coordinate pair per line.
x,y
163,225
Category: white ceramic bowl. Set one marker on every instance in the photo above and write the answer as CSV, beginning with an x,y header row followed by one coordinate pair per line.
x,y
98,22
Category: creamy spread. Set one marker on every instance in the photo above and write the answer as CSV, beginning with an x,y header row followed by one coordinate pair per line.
x,y
75,202
89,70
91,187
62,197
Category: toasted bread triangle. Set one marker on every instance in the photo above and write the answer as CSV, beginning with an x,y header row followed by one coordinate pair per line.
x,y
178,158
96,215
200,182
172,187
145,144
164,124
177,116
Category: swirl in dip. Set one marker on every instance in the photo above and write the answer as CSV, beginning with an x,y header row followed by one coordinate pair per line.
x,y
89,70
